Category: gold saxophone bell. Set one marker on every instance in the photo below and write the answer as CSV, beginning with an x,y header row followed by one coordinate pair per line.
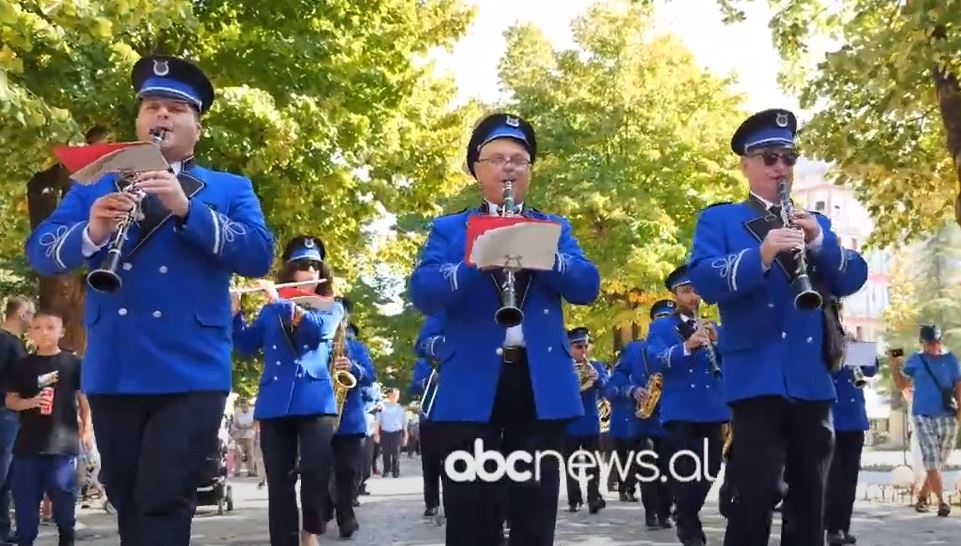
x,y
604,414
645,408
342,380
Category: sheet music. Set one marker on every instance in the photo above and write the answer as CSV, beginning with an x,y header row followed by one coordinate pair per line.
x,y
860,353
521,246
143,156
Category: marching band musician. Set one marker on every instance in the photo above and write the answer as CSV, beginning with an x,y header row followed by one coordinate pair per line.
x,y
430,347
693,409
629,382
348,441
624,434
850,417
585,431
157,363
295,401
510,388
777,354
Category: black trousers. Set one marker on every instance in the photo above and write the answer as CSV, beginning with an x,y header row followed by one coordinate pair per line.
x,y
154,450
624,471
347,451
656,494
390,446
431,462
367,462
591,444
475,509
282,440
772,434
696,448
843,480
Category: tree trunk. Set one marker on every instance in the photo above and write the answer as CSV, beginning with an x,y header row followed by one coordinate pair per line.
x,y
949,102
63,293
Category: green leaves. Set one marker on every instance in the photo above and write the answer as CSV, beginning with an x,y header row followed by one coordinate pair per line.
x,y
633,141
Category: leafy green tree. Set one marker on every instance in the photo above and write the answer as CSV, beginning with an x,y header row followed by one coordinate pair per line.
x,y
887,101
328,106
633,140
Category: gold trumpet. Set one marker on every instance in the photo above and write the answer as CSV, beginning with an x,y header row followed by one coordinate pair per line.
x,y
645,407
342,380
604,414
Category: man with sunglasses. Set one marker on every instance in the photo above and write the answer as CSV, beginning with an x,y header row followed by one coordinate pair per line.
x,y
777,357
509,389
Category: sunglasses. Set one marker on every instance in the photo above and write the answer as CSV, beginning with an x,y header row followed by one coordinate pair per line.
x,y
306,265
771,158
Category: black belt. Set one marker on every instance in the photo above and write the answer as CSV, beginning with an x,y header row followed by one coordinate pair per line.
x,y
513,354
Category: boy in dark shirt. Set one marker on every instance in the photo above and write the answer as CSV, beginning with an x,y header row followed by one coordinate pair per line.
x,y
45,452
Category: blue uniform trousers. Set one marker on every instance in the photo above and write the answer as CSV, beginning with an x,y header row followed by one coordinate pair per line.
x,y
694,477
154,450
626,450
843,480
36,475
9,425
656,494
476,510
771,435
283,439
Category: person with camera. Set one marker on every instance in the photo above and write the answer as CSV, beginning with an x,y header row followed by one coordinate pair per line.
x,y
935,376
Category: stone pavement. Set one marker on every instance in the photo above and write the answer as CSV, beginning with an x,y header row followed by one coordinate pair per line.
x,y
392,515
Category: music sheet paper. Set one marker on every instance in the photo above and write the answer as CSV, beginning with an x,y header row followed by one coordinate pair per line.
x,y
526,245
860,353
98,160
315,303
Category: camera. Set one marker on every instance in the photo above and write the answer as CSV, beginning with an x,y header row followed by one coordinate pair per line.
x,y
897,352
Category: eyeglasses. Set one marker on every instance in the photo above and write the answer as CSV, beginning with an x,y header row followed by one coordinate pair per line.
x,y
770,158
306,265
500,161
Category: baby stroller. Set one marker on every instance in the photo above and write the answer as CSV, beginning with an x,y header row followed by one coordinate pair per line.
x,y
214,489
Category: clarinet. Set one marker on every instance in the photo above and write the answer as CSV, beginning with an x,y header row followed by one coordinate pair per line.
x,y
105,278
806,298
509,313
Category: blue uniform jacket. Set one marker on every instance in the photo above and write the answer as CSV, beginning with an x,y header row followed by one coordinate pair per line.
x,y
167,329
469,299
623,422
431,343
691,392
589,424
848,410
630,373
769,347
296,377
353,419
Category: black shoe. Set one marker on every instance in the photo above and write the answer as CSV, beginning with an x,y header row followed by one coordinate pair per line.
x,y
430,512
65,540
651,521
849,538
664,523
348,528
944,509
693,542
574,506
835,538
355,503
596,505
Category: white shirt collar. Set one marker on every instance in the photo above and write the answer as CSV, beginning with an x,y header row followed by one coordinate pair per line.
x,y
767,204
175,167
494,210
685,318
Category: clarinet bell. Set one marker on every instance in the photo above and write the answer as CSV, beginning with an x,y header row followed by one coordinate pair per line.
x,y
509,315
807,298
104,280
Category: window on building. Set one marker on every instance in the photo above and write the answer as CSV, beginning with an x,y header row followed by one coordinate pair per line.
x,y
819,206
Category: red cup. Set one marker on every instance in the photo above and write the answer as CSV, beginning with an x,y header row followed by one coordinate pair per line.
x,y
46,401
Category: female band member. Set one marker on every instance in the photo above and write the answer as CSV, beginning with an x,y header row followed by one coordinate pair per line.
x,y
295,402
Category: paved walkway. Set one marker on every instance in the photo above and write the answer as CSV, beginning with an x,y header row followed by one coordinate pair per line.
x,y
392,514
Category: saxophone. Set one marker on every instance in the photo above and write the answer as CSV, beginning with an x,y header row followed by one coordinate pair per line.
x,y
583,369
342,380
604,415
645,408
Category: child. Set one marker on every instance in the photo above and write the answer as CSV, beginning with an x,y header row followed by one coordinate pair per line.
x,y
45,388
